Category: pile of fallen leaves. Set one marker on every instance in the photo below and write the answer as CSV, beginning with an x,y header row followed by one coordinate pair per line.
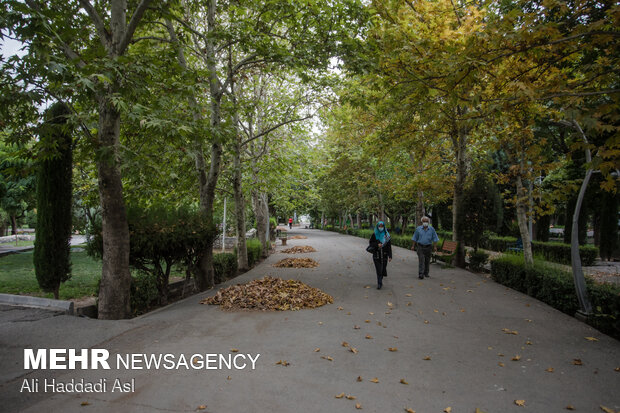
x,y
296,263
298,237
269,293
298,250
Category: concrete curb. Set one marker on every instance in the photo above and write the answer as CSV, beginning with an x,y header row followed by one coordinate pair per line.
x,y
37,302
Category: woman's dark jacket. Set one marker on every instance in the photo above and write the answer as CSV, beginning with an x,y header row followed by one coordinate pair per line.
x,y
387,249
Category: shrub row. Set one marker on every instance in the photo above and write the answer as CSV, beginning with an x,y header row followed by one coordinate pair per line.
x,y
555,287
551,251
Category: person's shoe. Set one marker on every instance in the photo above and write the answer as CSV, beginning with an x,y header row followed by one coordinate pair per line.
x,y
379,287
385,276
421,277
426,275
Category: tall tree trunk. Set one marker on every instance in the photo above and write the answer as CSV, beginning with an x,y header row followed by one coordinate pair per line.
x,y
459,143
13,225
322,219
114,291
242,251
358,221
420,211
261,212
523,222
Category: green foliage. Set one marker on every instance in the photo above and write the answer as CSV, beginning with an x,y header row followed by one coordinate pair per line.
x,y
481,209
144,292
254,251
224,266
54,199
160,238
477,260
556,288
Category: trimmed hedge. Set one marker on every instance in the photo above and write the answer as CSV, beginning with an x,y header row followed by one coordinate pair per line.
x,y
254,251
555,287
224,266
552,251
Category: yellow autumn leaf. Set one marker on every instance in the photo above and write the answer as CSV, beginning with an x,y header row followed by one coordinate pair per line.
x,y
409,304
340,308
591,338
403,381
529,343
392,348
448,410
371,313
426,321
516,358
407,295
356,327
351,397
500,364
84,404
339,396
368,336
201,407
570,407
375,380
389,304
478,411
520,402
577,362
345,344
316,350
234,350
409,410
358,406
353,350
617,369
367,321
427,358
550,370
606,409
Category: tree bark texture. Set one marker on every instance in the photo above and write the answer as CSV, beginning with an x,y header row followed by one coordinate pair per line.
x,y
459,143
114,291
523,222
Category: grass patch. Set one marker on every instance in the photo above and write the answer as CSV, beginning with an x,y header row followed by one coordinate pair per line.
x,y
17,276
18,244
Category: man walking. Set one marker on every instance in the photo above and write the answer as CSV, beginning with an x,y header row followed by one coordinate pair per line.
x,y
425,238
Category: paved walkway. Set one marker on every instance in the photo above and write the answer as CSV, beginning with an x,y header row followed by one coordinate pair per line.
x,y
456,335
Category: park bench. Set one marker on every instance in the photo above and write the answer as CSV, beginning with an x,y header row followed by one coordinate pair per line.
x,y
448,249
516,247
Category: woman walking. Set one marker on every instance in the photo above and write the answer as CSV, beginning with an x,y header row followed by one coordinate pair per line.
x,y
380,241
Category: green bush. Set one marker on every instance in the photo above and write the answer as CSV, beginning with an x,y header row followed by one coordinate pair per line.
x,y
477,260
161,237
555,287
254,251
144,292
551,251
224,266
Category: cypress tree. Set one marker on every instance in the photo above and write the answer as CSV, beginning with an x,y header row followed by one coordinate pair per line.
x,y
609,225
54,198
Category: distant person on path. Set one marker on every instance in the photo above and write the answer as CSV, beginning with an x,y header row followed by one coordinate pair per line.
x,y
290,223
382,254
425,238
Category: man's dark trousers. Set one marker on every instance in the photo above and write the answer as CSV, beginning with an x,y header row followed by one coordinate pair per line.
x,y
424,258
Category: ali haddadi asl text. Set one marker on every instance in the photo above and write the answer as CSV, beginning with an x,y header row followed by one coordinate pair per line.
x,y
95,359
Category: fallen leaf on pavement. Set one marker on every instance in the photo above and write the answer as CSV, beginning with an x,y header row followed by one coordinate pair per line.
x,y
520,402
507,331
500,364
234,350
84,404
345,344
403,381
356,327
392,348
359,378
283,363
340,308
427,358
375,380
577,362
368,336
529,343
350,397
339,396
550,370
516,358
353,350
327,358
316,350
367,321
606,409
570,407
358,406
201,407
591,338
448,410
409,410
